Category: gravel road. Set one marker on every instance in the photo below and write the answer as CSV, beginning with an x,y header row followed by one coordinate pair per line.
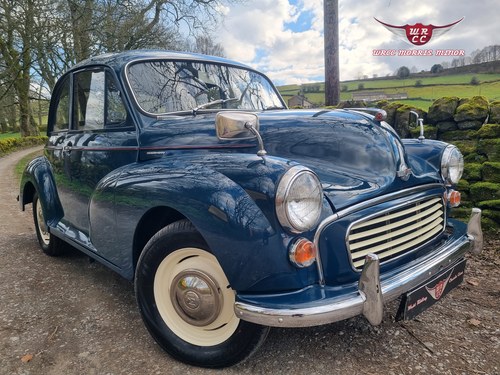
x,y
68,315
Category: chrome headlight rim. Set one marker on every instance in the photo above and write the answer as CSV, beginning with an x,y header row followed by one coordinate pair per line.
x,y
285,185
452,172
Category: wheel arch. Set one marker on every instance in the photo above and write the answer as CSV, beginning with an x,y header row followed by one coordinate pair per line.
x,y
235,219
150,223
27,194
38,178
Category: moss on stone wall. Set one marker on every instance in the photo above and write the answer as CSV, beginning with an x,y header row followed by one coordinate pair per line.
x,y
462,122
485,191
473,110
472,171
495,112
457,135
466,147
491,171
430,132
443,109
489,131
490,148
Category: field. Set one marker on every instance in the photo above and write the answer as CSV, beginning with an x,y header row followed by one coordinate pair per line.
x,y
421,91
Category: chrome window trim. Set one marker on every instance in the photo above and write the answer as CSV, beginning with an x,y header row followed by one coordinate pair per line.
x,y
361,206
197,60
393,208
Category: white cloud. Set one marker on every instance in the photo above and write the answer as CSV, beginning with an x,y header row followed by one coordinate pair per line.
x,y
258,33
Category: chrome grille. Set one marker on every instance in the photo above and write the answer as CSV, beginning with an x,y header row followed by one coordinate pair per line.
x,y
397,231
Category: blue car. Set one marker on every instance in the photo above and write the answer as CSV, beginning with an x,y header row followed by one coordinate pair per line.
x,y
231,214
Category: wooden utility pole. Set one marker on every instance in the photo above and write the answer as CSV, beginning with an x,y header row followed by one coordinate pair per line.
x,y
331,33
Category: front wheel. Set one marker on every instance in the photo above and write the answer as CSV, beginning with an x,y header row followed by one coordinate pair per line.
x,y
50,244
187,303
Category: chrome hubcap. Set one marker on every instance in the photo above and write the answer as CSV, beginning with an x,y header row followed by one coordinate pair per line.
x,y
42,228
196,297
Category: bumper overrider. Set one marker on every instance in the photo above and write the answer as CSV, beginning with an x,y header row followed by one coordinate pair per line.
x,y
318,305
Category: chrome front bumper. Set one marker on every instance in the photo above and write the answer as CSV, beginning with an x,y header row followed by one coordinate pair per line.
x,y
371,293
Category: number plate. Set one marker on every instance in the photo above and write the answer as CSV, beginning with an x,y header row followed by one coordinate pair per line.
x,y
424,296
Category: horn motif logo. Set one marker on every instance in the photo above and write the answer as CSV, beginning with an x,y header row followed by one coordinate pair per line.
x,y
419,34
437,291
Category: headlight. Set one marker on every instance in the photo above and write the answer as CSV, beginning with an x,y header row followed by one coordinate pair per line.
x,y
299,200
452,165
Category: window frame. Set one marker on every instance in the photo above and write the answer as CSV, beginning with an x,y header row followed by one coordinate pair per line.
x,y
127,125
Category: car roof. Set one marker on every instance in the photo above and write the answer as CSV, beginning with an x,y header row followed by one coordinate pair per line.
x,y
118,60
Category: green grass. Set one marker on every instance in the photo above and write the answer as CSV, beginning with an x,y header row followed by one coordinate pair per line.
x,y
458,79
10,135
21,164
430,89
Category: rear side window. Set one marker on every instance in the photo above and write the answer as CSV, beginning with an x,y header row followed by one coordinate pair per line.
x,y
88,100
97,102
62,112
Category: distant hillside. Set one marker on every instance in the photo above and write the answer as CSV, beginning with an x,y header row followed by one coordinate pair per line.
x,y
420,88
487,67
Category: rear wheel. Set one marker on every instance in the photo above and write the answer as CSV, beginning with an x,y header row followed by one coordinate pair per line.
x,y
187,303
50,244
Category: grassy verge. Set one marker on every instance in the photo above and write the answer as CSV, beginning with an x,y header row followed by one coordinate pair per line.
x,y
21,164
9,145
9,135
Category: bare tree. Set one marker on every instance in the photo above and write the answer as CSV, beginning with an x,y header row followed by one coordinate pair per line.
x,y
39,39
206,45
17,29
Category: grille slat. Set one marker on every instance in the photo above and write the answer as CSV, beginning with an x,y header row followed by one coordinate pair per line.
x,y
396,224
434,220
397,231
394,215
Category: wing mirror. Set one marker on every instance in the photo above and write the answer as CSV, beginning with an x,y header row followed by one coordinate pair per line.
x,y
239,125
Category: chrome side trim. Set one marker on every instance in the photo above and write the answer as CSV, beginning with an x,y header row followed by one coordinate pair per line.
x,y
360,301
361,206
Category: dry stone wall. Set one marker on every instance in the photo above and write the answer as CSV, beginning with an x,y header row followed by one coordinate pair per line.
x,y
473,125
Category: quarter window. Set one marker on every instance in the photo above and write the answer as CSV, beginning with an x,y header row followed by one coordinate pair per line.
x,y
97,101
62,112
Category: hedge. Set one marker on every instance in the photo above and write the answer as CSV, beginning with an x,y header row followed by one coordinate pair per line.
x,y
8,145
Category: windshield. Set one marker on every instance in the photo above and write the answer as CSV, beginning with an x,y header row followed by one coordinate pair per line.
x,y
161,87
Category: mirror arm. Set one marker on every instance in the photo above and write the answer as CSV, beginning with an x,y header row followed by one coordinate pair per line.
x,y
262,151
420,123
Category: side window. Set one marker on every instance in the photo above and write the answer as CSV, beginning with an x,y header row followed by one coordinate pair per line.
x,y
88,100
116,114
97,101
62,112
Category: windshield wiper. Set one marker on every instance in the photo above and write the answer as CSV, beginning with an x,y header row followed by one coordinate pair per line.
x,y
214,102
270,108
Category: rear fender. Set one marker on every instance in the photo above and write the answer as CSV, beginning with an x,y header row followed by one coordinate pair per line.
x,y
38,177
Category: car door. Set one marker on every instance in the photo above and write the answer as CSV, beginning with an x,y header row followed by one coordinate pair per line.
x,y
100,138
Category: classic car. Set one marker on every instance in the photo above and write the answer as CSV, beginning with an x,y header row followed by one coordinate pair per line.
x,y
231,214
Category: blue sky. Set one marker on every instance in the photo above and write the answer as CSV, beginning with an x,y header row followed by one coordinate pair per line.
x,y
284,38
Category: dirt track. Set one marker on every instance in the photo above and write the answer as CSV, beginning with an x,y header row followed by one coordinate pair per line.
x,y
70,316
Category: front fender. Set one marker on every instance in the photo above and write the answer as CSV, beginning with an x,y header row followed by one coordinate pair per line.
x,y
38,177
248,242
424,157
